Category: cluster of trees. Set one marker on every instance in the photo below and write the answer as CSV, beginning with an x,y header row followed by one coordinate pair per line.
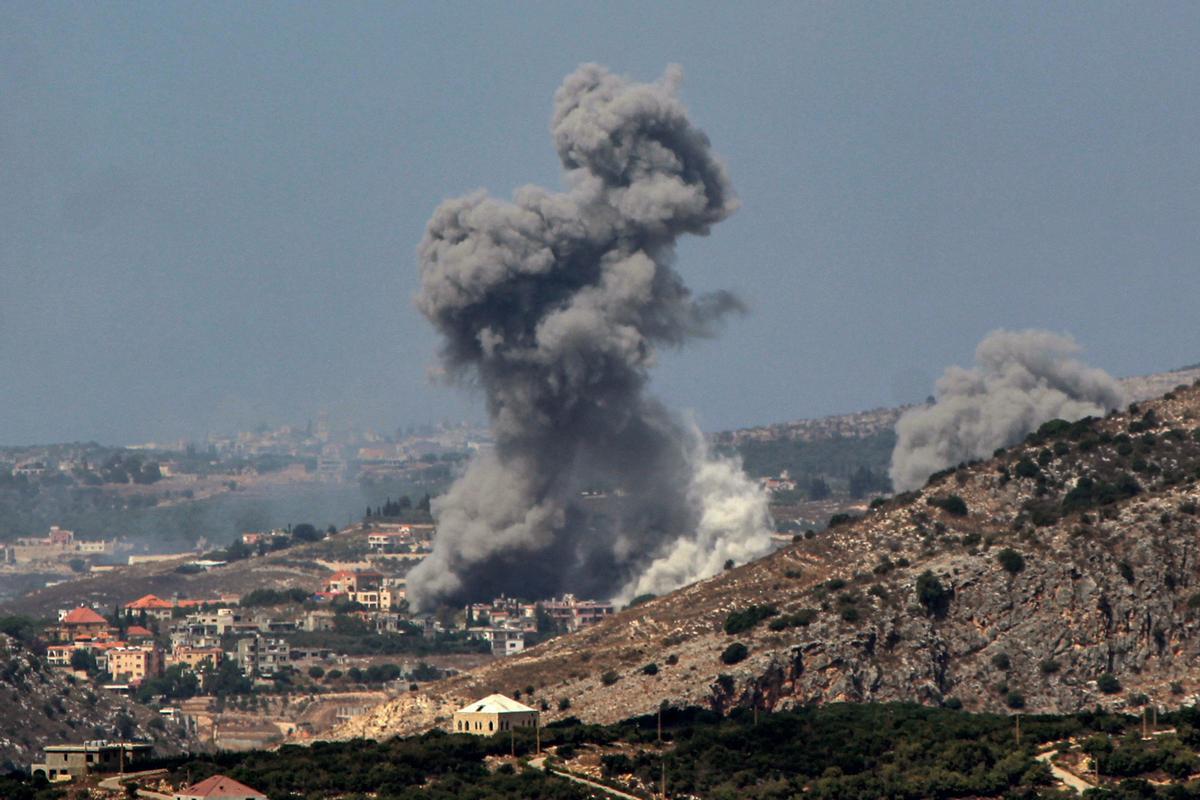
x,y
402,508
435,766
839,751
352,637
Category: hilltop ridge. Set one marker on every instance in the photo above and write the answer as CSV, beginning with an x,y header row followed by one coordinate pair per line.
x,y
1061,574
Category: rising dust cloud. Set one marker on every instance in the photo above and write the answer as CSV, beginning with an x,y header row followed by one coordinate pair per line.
x,y
1021,379
555,305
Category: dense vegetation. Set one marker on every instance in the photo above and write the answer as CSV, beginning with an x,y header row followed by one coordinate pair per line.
x,y
832,752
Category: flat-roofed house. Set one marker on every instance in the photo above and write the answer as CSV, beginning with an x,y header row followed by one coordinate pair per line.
x,y
66,761
219,787
492,714
135,664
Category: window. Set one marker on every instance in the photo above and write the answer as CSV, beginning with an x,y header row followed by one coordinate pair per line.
x,y
489,726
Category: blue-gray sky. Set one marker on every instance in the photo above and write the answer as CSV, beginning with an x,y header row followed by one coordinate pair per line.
x,y
208,212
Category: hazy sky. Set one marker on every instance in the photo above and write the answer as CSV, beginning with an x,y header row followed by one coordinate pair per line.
x,y
208,212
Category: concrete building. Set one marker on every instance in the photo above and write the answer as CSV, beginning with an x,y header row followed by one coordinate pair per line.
x,y
219,787
195,657
80,623
152,606
257,655
68,761
493,714
504,641
133,665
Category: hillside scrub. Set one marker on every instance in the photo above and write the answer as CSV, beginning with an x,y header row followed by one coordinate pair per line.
x,y
741,621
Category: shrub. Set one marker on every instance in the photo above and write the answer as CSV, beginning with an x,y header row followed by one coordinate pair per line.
x,y
1012,561
641,598
734,653
931,594
850,614
1014,700
952,703
316,673
951,504
609,678
1026,468
740,621
1050,666
1108,683
650,669
1001,661
672,660
1126,571
835,584
564,703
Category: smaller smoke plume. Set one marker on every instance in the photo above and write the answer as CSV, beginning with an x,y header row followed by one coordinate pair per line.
x,y
1021,379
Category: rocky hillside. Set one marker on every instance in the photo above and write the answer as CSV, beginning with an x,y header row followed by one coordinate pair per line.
x,y
1061,574
45,706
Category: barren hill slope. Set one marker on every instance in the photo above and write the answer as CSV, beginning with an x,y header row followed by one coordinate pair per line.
x,y
1102,514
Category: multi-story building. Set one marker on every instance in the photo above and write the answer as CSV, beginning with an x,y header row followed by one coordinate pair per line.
x,y
80,623
258,655
504,641
196,657
135,664
345,581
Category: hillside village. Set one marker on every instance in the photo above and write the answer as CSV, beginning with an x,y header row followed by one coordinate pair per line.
x,y
317,639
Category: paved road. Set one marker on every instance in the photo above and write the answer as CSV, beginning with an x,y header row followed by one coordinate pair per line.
x,y
537,763
113,784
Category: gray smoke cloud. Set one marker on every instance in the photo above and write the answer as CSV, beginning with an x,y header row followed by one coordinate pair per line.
x,y
1021,380
555,304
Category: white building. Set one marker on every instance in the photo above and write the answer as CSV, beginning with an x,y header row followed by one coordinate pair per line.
x,y
493,714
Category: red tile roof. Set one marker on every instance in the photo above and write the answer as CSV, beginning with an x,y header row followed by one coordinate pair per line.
x,y
219,786
149,601
138,630
84,616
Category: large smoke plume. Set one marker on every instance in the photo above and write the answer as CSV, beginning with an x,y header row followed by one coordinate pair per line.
x,y
555,304
1021,380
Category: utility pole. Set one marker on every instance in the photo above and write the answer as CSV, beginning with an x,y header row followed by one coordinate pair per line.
x,y
664,778
537,733
512,740
1145,723
660,723
1018,720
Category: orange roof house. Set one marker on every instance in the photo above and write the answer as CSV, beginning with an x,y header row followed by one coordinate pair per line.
x,y
219,787
80,623
84,616
138,632
149,601
151,606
